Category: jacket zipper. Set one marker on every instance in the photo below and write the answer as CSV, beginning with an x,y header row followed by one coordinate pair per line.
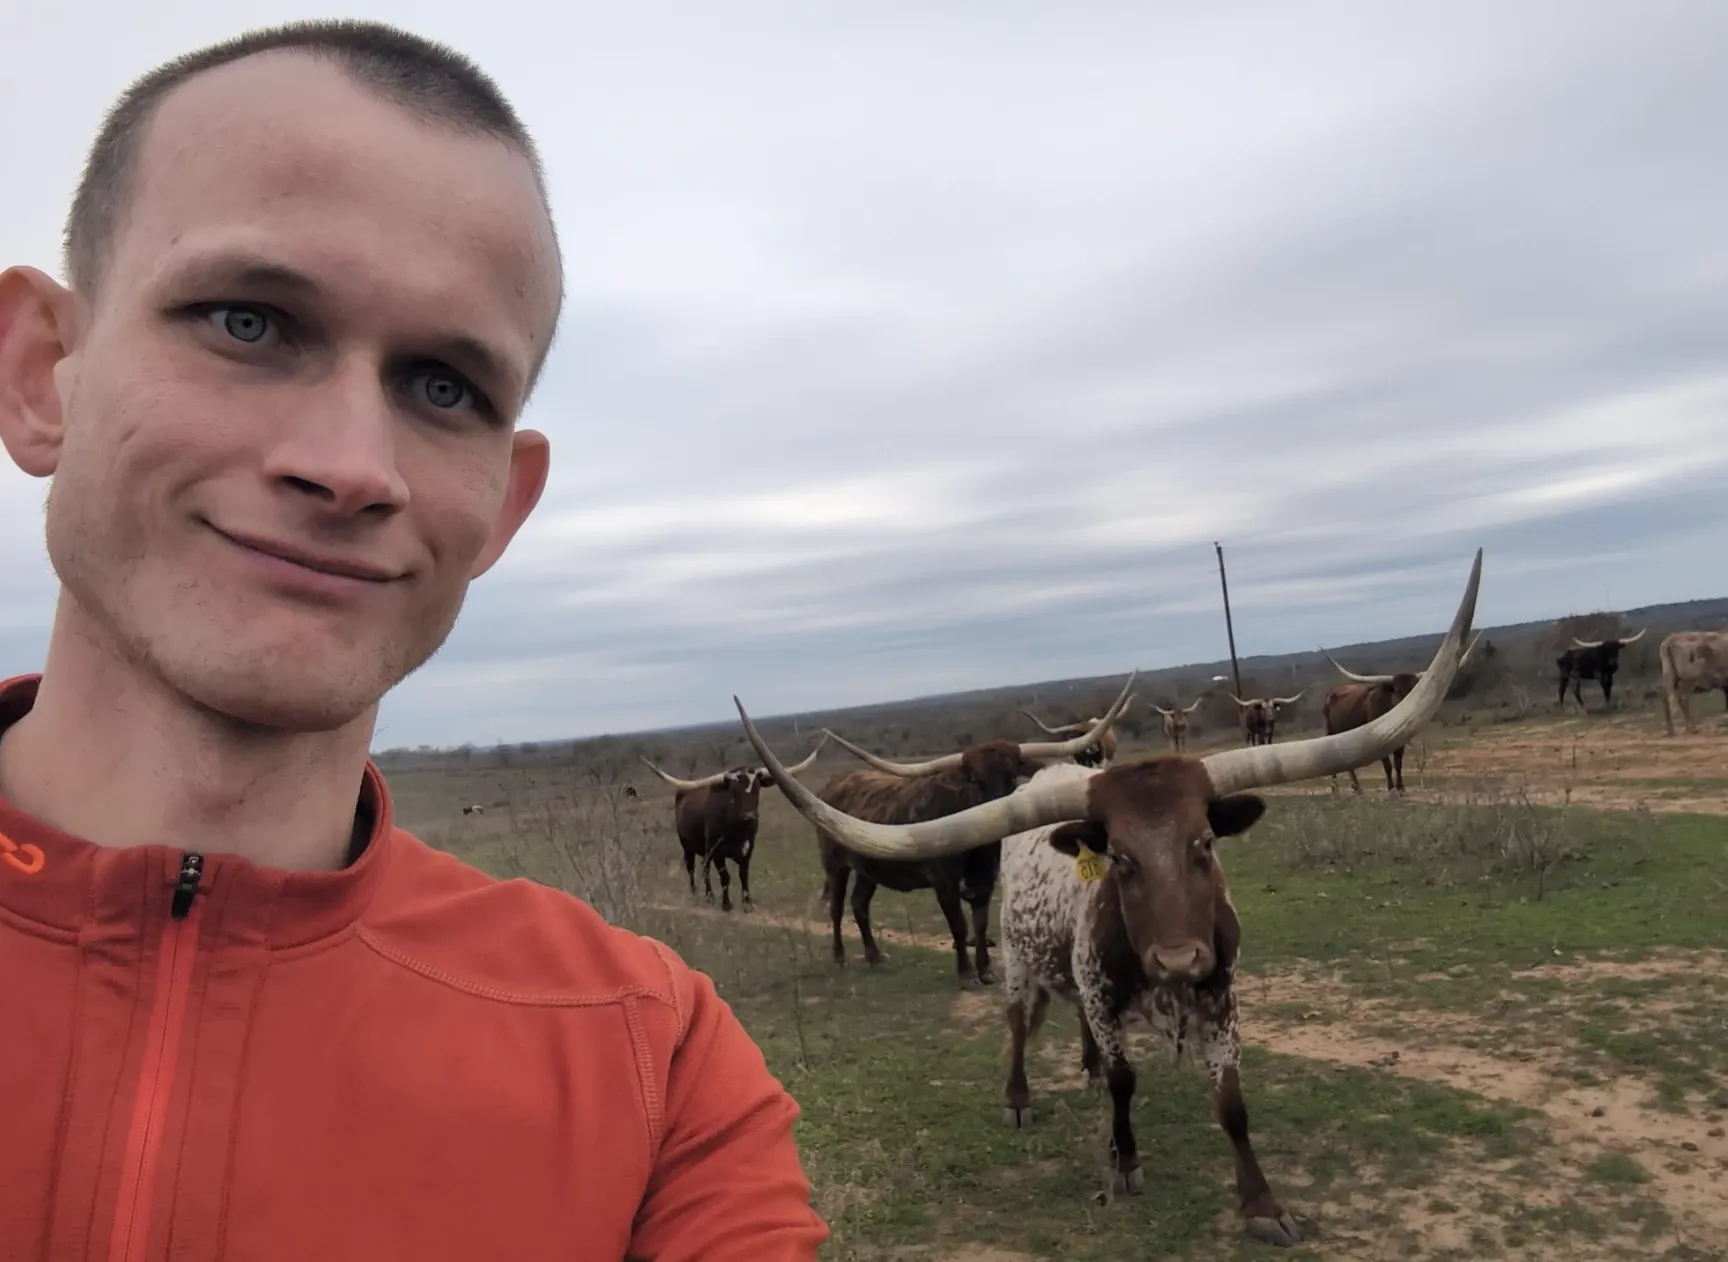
x,y
156,1075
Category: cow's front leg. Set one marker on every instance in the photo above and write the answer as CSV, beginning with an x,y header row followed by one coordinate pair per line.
x,y
1025,1012
1105,1027
1266,1219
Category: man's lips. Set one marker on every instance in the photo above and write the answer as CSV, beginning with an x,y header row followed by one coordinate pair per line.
x,y
318,562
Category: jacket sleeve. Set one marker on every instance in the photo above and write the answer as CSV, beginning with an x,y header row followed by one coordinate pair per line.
x,y
727,1185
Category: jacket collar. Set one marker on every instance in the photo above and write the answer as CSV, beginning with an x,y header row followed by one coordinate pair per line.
x,y
59,882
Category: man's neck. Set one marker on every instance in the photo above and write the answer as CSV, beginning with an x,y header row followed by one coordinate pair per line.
x,y
110,754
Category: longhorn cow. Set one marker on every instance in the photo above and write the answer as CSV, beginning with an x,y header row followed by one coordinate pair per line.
x,y
1348,706
1260,716
1692,661
716,819
1592,659
1101,754
906,793
1115,901
1175,724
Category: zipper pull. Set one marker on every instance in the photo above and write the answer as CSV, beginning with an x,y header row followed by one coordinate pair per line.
x,y
191,868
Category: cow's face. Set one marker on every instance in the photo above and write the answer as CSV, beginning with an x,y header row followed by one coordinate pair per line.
x,y
1403,685
997,767
742,789
1156,822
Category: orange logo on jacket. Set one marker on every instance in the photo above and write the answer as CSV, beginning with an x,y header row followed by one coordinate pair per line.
x,y
27,859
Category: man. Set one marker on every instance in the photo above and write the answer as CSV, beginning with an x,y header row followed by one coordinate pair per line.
x,y
313,278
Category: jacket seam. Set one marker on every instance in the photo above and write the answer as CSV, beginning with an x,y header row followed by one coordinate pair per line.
x,y
529,999
664,953
652,1104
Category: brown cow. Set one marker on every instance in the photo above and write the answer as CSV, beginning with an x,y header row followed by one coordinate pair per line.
x,y
1692,661
1176,724
905,793
1114,899
1260,716
716,819
1101,754
1349,706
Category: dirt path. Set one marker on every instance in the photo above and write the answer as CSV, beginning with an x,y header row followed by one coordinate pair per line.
x,y
1613,762
1684,1157
811,925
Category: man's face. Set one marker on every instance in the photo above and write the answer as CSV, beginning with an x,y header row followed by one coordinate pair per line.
x,y
286,441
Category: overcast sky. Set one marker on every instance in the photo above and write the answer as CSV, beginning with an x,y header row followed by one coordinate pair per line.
x,y
914,346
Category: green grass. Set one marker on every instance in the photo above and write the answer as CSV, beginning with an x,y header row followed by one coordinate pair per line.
x,y
1421,907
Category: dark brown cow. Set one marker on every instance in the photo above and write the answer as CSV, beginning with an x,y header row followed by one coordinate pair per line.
x,y
1592,659
1114,899
905,793
1101,754
1366,698
1176,724
716,819
1260,716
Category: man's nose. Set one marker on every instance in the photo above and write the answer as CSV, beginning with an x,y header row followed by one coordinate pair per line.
x,y
341,448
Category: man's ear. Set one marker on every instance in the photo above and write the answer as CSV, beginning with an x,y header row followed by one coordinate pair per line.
x,y
1236,814
38,331
1068,838
530,461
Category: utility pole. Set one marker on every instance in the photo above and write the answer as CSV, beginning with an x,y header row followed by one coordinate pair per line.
x,y
1229,628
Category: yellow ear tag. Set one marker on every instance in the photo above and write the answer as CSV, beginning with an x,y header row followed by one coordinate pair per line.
x,y
1089,865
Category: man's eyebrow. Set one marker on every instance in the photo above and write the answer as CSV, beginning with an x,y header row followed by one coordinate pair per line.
x,y
463,351
245,270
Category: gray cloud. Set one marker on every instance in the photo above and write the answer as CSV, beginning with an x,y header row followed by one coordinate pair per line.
x,y
910,350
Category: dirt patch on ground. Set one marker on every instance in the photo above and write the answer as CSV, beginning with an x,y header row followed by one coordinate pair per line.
x,y
1659,965
1685,1158
810,925
1608,762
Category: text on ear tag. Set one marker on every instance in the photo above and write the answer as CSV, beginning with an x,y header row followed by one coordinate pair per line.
x,y
1089,865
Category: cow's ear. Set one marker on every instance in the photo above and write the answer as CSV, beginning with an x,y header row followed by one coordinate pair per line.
x,y
1234,815
1077,833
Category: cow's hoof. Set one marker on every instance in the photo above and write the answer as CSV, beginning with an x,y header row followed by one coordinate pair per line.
x,y
1020,1119
748,905
1129,1182
877,960
986,978
1281,1231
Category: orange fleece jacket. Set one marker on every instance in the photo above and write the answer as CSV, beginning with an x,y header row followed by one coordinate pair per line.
x,y
205,1059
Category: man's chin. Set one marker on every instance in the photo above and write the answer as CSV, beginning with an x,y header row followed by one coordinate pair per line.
x,y
263,697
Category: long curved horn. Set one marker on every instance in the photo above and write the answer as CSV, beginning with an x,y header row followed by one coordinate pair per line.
x,y
1194,707
1633,639
1053,731
1237,700
1035,805
1051,750
1361,679
1161,710
911,770
686,785
1027,807
1261,766
800,767
1586,644
1290,700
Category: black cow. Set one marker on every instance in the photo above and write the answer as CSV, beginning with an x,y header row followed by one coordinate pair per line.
x,y
1592,659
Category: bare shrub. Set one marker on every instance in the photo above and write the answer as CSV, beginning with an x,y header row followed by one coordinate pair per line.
x,y
1486,832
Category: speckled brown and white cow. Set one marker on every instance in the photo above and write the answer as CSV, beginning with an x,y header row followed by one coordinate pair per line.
x,y
1114,899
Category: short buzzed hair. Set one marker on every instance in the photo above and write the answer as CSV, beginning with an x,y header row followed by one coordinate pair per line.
x,y
430,80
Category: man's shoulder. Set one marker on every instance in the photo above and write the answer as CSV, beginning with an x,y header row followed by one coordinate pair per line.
x,y
513,941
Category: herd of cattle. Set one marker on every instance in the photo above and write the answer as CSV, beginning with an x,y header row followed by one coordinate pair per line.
x,y
1112,897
